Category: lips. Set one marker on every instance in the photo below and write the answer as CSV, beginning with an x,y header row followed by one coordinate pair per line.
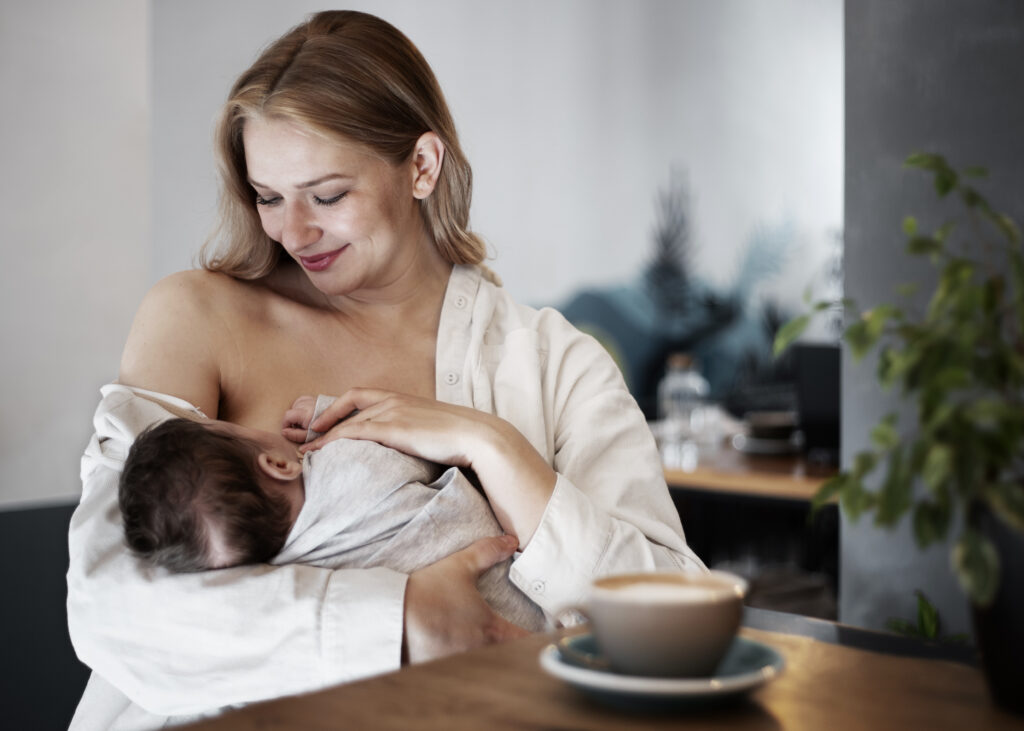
x,y
321,261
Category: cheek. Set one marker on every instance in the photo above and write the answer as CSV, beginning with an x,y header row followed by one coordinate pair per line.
x,y
270,222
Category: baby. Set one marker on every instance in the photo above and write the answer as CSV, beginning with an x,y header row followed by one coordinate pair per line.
x,y
198,495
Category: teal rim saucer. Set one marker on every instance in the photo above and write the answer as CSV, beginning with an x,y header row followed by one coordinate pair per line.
x,y
746,665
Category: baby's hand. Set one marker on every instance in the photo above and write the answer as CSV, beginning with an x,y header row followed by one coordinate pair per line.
x,y
297,418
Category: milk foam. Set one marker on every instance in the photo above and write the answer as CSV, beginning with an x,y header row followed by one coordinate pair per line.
x,y
662,591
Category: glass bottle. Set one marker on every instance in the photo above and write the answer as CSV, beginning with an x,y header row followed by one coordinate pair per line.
x,y
682,408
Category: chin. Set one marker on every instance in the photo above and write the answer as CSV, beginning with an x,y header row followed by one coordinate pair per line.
x,y
334,284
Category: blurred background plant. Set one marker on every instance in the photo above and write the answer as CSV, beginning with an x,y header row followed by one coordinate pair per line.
x,y
960,362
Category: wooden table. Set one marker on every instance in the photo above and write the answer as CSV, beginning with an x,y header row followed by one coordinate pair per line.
x,y
724,469
824,686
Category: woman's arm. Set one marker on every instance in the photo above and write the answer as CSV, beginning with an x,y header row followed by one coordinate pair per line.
x,y
517,480
611,510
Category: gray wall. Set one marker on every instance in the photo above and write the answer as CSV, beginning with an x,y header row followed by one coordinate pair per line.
x,y
936,75
74,226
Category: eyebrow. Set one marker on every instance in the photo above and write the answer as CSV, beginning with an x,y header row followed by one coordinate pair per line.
x,y
309,184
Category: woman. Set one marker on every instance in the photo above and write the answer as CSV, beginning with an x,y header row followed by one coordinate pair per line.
x,y
349,268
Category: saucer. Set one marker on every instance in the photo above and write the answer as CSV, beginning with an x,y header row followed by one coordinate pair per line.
x,y
746,665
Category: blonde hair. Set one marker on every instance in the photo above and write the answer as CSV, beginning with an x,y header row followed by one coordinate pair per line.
x,y
352,77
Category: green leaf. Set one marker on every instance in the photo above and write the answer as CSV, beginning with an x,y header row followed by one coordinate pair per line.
x,y
894,496
790,332
854,499
1009,228
945,181
942,232
858,337
923,245
972,198
986,413
884,434
927,617
865,332
992,295
938,464
1006,499
827,492
910,225
953,289
951,377
976,564
938,417
931,521
926,161
976,171
863,463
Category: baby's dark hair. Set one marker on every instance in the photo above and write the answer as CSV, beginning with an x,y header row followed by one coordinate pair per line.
x,y
181,480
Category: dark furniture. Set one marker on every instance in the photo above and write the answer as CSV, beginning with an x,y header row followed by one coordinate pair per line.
x,y
42,679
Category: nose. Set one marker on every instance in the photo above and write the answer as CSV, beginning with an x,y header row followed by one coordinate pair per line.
x,y
298,227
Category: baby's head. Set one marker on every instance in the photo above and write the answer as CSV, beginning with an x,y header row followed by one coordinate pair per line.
x,y
202,495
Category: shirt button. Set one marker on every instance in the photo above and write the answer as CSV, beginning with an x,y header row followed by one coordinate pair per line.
x,y
451,378
461,301
537,587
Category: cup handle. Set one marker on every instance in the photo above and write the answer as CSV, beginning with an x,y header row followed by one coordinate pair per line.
x,y
570,617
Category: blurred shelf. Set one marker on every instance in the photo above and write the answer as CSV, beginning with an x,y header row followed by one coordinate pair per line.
x,y
726,470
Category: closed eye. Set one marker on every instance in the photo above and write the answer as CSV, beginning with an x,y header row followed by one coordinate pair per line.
x,y
329,201
272,201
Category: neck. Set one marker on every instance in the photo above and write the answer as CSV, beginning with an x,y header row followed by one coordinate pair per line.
x,y
409,292
405,291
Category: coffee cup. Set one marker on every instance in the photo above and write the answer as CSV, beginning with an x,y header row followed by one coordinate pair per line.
x,y
664,624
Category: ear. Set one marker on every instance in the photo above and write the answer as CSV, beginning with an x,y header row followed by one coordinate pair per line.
x,y
279,468
428,155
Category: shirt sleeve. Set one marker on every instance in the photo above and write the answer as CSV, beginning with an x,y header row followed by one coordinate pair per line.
x,y
188,643
611,511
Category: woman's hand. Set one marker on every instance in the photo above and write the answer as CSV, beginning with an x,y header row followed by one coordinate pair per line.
x,y
517,480
444,612
295,425
421,427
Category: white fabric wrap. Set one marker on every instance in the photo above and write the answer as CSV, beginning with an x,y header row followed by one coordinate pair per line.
x,y
368,505
178,645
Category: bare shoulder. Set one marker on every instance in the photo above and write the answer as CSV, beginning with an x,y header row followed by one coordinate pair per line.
x,y
195,287
174,346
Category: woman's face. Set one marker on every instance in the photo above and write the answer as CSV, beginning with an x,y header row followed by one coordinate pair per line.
x,y
347,217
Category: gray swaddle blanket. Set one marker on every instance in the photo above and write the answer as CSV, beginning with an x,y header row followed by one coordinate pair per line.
x,y
368,505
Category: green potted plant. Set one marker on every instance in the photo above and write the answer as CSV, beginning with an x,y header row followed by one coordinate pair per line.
x,y
960,362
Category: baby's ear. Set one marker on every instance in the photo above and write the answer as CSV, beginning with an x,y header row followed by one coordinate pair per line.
x,y
279,468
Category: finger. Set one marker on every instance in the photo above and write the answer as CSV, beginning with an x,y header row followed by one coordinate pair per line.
x,y
294,434
365,429
486,552
295,418
502,630
355,399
